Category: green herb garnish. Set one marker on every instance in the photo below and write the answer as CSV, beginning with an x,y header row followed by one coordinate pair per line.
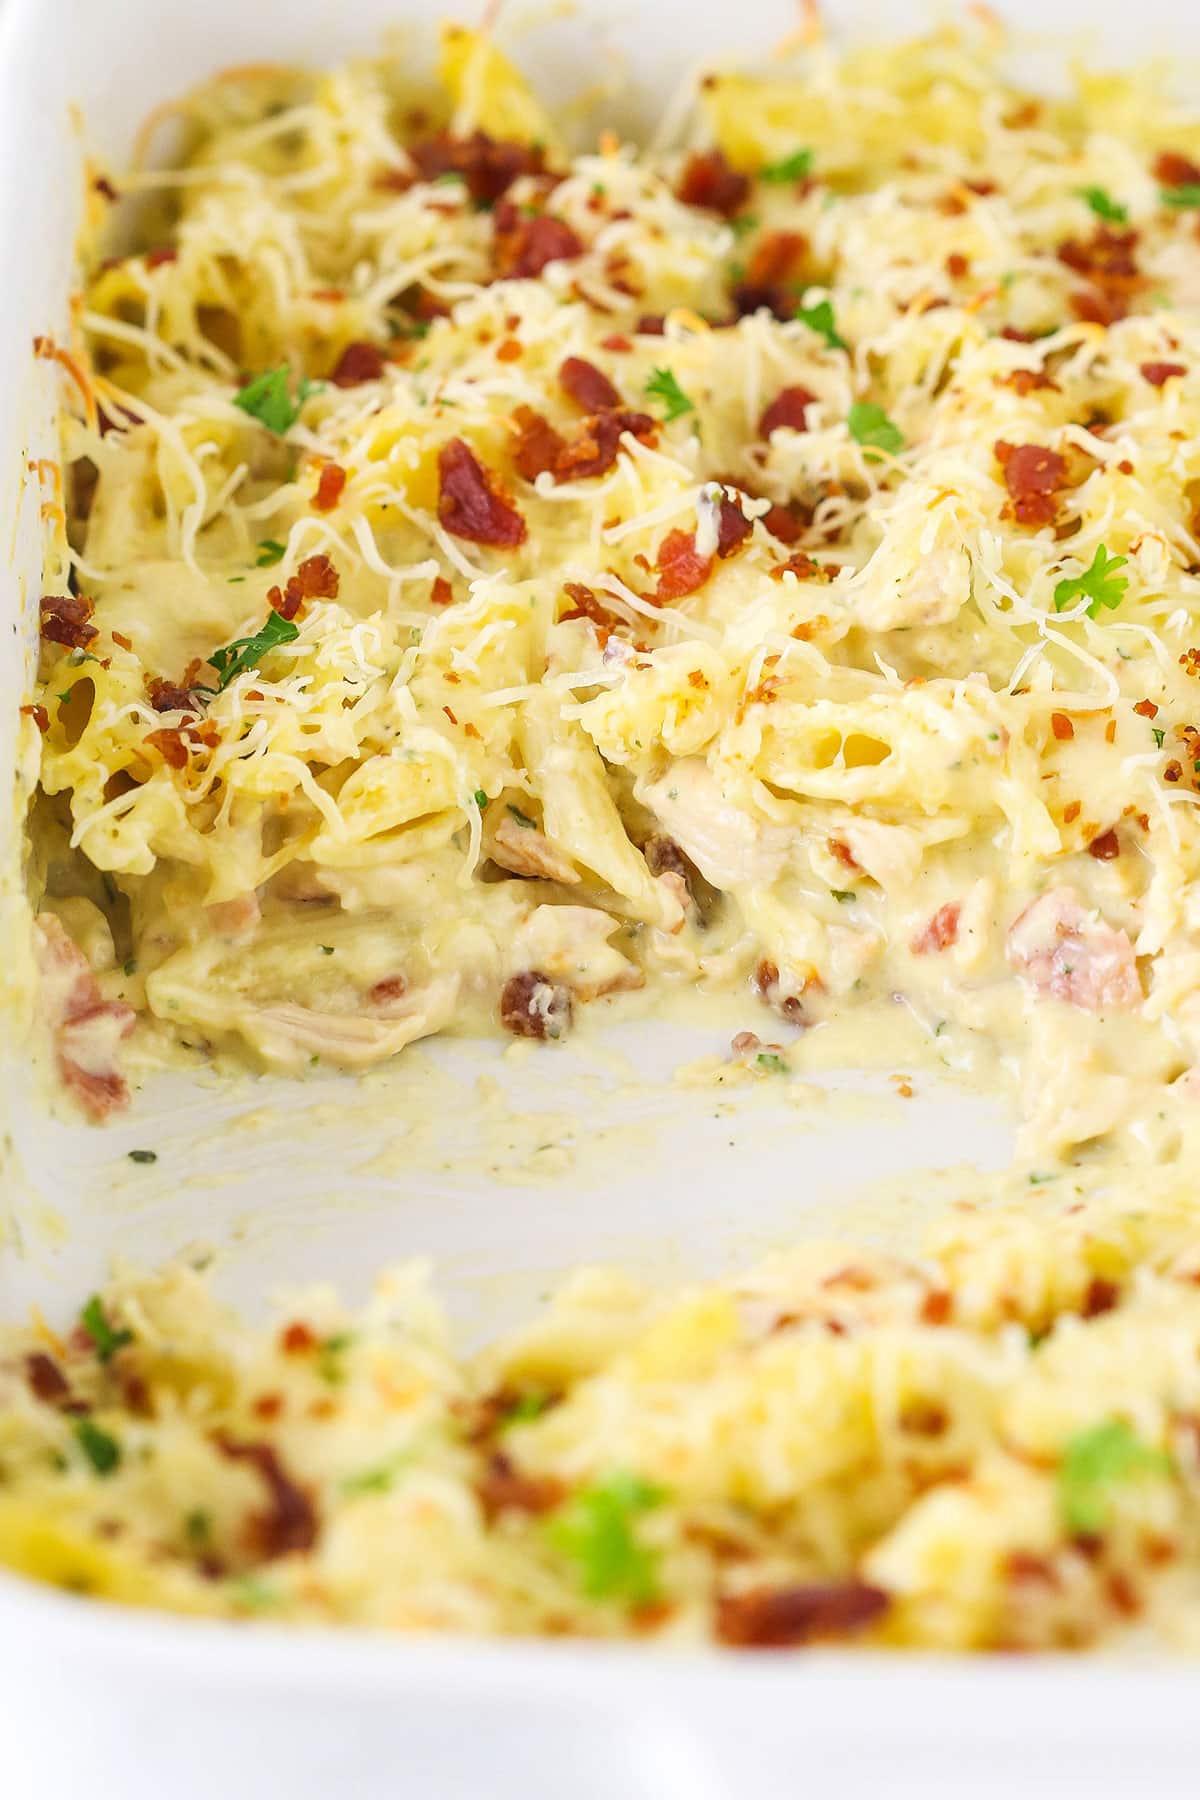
x,y
843,896
771,1060
870,425
102,1451
381,1478
1187,194
143,1156
595,1531
1093,1463
269,399
481,799
270,551
197,1527
329,1365
1103,205
789,168
663,386
528,1406
247,653
819,318
1159,735
106,1340
1098,582
325,949
743,223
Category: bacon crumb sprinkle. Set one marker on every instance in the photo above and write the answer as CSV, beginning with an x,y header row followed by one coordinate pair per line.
x,y
469,506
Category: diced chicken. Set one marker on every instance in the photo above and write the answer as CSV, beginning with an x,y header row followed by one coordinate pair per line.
x,y
930,592
730,847
570,944
524,850
288,1036
1060,948
85,1028
235,919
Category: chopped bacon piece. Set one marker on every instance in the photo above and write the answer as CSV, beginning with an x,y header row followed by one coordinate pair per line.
x,y
468,506
617,342
770,988
1107,261
789,408
802,567
297,1338
1101,1296
155,259
588,386
709,181
782,523
441,593
733,527
651,325
47,1382
1028,381
777,263
1147,709
1061,726
1106,847
165,696
1174,170
941,931
387,991
1033,476
290,1521
85,1028
64,620
315,579
358,362
584,605
957,265
680,569
169,743
776,1618
329,488
748,297
1158,373
538,445
38,714
533,1006
524,247
1060,948
503,1488
594,450
488,165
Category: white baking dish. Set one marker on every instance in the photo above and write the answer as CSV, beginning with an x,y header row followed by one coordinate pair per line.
x,y
317,1181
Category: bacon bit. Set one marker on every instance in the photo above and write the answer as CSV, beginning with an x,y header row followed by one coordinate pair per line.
x,y
1147,709
941,931
1101,1297
524,247
102,185
46,1380
1071,811
38,714
1026,1566
651,325
957,265
778,1618
267,1406
1027,381
166,697
1105,847
733,527
1158,373
503,1488
1108,262
358,362
155,259
468,506
802,567
782,523
1033,476
533,1006
119,638
586,606
1173,771
1174,170
488,165
709,181
617,342
329,488
839,848
588,386
777,261
510,350
297,1339
1061,726
789,408
538,445
441,593
1189,662
768,987
1110,732
86,1028
680,570
450,715
387,991
290,1522
168,741
64,620
594,450
315,579
937,1307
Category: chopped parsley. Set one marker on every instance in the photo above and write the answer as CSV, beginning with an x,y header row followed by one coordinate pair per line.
x,y
870,425
269,398
481,799
1103,205
380,1478
527,1406
246,653
1093,1463
663,386
1098,582
102,1451
143,1156
1186,195
595,1531
270,551
522,819
329,1365
197,1527
771,1061
789,168
325,949
743,223
1159,735
843,895
107,1341
819,318
253,1593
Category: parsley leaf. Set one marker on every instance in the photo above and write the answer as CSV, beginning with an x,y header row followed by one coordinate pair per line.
x,y
790,168
527,1406
1187,194
742,223
270,551
142,1156
481,799
1095,1461
380,1478
197,1527
1103,205
246,653
663,386
268,398
595,1531
102,1451
770,1059
1098,582
819,318
94,1320
329,1365
843,896
1159,735
870,425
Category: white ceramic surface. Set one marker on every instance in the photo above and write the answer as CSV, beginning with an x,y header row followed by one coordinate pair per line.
x,y
319,1183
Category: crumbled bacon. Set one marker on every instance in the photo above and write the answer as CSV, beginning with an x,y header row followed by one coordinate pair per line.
x,y
651,325
524,247
441,593
64,620
330,487
37,712
297,1338
776,1618
681,570
1033,476
789,407
47,1382
1174,170
1061,726
941,931
315,579
749,297
1106,847
770,988
957,265
733,527
503,1488
1158,373
584,605
290,1521
468,505
86,1029
592,451
538,446
782,522
168,741
1108,263
1028,381
1147,709
358,362
488,165
1100,1296
533,1006
802,567
709,181
387,991
1061,949
588,386
777,263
